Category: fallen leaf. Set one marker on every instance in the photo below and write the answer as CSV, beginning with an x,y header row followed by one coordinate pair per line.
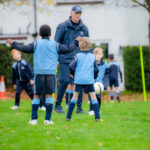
x,y
4,144
1,127
18,113
148,146
100,143
57,137
66,127
84,124
47,132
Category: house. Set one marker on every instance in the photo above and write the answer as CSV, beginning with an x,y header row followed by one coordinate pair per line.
x,y
112,24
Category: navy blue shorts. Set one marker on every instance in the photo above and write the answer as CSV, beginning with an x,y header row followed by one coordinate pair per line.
x,y
87,88
44,84
114,82
71,81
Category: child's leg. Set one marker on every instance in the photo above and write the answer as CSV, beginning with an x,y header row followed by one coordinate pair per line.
x,y
67,96
95,105
49,106
72,104
71,92
98,96
18,92
117,93
111,93
35,105
91,107
29,89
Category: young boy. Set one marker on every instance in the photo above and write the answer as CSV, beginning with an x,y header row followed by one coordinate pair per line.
x,y
114,69
22,77
102,65
85,69
45,57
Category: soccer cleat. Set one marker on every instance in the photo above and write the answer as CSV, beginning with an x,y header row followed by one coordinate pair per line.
x,y
58,109
42,108
112,101
67,119
79,110
97,119
32,122
47,122
91,113
14,107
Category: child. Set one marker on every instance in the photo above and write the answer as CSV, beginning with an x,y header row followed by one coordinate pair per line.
x,y
45,57
85,69
22,77
114,69
102,65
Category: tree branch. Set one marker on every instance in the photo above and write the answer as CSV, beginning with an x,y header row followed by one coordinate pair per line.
x,y
143,5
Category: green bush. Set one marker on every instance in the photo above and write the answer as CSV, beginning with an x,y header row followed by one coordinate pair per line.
x,y
132,68
6,62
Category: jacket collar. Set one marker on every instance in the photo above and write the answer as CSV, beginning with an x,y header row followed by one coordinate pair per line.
x,y
71,25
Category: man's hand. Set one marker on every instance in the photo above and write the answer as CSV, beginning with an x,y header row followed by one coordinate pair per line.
x,y
14,86
9,41
79,38
31,82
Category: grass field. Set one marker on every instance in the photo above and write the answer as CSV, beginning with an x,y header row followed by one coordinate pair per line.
x,y
126,126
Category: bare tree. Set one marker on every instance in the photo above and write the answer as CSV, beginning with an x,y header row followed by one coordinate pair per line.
x,y
145,4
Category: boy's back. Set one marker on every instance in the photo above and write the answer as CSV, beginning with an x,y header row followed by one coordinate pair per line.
x,y
45,56
84,73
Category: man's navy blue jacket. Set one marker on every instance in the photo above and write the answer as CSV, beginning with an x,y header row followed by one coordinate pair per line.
x,y
66,32
21,71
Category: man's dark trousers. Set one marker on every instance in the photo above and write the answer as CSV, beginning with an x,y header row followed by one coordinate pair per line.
x,y
64,76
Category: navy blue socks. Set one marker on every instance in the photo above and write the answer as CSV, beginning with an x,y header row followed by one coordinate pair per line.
x,y
49,108
71,108
35,105
96,109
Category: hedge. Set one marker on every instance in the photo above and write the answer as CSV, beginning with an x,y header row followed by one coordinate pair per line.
x,y
132,68
6,62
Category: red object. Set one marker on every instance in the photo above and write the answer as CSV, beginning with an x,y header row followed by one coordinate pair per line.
x,y
2,88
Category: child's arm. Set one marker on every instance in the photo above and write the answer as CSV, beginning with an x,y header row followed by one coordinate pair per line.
x,y
120,74
30,72
72,66
13,77
62,49
96,69
26,48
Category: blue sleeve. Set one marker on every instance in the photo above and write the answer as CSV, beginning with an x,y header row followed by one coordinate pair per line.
x,y
30,71
24,48
120,74
72,66
96,69
13,77
59,35
62,49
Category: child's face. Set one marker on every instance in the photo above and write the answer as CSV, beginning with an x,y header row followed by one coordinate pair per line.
x,y
16,56
99,56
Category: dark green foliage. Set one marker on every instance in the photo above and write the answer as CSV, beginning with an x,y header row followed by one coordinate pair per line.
x,y
132,67
6,62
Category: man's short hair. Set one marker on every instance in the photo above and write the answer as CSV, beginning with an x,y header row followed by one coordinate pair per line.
x,y
85,44
45,31
14,50
97,50
111,56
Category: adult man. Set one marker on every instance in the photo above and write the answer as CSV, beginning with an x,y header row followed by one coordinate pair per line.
x,y
66,32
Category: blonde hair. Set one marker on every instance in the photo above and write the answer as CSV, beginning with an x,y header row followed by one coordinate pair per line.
x,y
97,50
85,44
14,50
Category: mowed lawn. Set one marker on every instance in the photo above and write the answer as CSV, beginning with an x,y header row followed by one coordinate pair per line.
x,y
126,126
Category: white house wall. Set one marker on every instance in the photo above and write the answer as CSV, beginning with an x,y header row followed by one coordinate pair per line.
x,y
119,26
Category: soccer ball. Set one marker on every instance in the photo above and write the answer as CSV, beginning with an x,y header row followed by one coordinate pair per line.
x,y
99,87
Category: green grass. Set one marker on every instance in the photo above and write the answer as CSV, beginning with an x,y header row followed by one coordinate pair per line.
x,y
126,126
